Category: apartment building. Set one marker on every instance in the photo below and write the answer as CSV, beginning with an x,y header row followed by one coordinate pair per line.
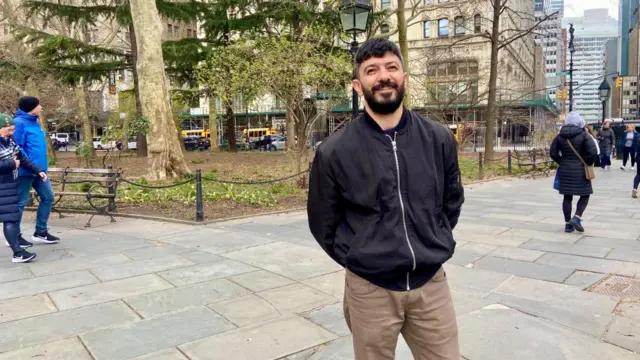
x,y
592,32
551,37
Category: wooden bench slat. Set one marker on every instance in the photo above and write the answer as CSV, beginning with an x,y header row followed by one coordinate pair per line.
x,y
86,171
71,179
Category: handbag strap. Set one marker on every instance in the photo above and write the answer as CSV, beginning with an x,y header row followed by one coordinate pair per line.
x,y
575,152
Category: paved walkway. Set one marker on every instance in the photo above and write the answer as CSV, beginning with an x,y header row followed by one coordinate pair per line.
x,y
262,289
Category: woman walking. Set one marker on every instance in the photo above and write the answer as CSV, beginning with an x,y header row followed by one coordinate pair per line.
x,y
574,151
629,144
11,158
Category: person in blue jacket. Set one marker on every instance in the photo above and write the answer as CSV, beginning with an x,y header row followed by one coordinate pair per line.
x,y
629,144
12,159
32,140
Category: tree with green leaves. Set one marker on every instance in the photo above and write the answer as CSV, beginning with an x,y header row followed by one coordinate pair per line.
x,y
298,73
230,73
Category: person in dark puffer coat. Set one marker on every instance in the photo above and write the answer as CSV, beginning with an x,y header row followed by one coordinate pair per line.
x,y
571,172
11,158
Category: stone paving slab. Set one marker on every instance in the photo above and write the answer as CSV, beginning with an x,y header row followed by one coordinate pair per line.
x,y
216,241
476,282
497,240
201,257
515,335
293,261
160,250
525,269
60,325
516,254
168,354
625,255
625,329
147,266
74,264
67,349
272,340
590,264
14,274
544,236
154,334
565,248
332,284
25,307
175,299
564,304
45,283
260,280
296,298
610,243
246,310
107,291
203,272
584,279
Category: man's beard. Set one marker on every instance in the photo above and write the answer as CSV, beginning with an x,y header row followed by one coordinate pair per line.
x,y
386,106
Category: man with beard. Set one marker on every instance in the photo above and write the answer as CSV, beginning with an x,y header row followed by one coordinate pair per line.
x,y
384,197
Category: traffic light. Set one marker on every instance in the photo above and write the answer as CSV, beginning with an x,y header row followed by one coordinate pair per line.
x,y
619,82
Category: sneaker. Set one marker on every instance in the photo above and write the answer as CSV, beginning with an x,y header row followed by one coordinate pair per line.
x,y
634,193
622,168
23,243
568,228
576,222
23,256
45,238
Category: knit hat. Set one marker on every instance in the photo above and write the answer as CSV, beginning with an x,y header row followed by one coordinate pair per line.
x,y
28,103
6,120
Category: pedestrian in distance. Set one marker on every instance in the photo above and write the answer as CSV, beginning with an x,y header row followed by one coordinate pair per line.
x,y
607,141
629,144
33,141
12,159
575,151
384,197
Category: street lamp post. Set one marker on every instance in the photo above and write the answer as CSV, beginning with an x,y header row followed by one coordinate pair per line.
x,y
604,91
571,50
354,16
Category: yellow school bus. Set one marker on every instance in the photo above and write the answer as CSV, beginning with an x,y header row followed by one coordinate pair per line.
x,y
258,132
200,133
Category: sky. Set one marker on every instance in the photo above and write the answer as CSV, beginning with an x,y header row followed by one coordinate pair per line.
x,y
576,7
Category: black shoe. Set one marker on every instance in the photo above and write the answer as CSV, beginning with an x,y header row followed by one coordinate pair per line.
x,y
23,256
45,238
22,242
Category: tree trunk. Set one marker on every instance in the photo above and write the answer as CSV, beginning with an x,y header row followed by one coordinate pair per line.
x,y
165,154
291,131
81,100
404,45
231,128
141,139
302,153
213,124
32,90
493,81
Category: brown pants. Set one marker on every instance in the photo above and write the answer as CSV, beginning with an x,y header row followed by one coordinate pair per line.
x,y
424,316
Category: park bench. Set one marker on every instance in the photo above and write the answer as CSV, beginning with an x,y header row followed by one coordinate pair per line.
x,y
101,184
534,161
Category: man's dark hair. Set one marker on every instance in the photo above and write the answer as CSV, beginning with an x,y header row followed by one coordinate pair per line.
x,y
375,47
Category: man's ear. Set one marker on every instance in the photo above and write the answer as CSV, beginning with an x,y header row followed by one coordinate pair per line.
x,y
357,86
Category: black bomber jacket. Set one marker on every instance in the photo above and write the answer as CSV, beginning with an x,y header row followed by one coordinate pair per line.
x,y
383,204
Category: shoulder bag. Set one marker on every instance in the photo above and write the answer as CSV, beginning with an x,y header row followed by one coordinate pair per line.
x,y
589,172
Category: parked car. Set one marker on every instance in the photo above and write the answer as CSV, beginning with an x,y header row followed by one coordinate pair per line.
x,y
193,143
61,138
99,145
278,142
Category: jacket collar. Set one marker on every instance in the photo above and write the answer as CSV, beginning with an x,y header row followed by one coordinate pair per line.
x,y
23,115
402,125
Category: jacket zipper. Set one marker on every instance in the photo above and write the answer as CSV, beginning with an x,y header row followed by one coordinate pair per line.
x,y
404,219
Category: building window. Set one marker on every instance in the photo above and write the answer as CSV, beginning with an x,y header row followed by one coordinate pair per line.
x,y
459,25
176,30
443,27
427,2
477,23
170,30
386,4
384,28
188,33
427,29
